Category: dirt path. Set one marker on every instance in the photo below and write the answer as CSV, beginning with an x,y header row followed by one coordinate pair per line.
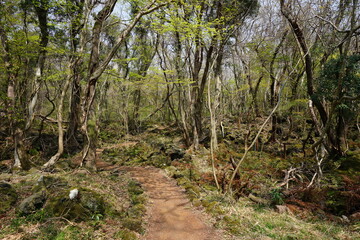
x,y
171,216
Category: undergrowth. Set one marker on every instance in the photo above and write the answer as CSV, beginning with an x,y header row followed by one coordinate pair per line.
x,y
122,218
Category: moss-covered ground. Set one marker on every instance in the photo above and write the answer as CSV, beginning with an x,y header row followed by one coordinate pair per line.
x,y
319,212
118,215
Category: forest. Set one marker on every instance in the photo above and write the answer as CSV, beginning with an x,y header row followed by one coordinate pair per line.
x,y
115,114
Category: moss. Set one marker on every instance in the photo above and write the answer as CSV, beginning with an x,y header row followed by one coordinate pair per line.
x,y
91,124
133,224
134,188
50,184
137,210
232,224
196,203
137,199
212,207
85,208
125,235
159,160
49,231
209,187
31,204
182,181
8,197
73,232
39,216
171,171
193,191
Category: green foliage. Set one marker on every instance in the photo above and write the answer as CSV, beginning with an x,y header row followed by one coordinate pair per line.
x,y
328,81
297,102
276,196
39,216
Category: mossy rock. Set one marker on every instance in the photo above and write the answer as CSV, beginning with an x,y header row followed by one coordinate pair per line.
x,y
137,211
8,197
31,204
84,207
125,235
133,224
50,184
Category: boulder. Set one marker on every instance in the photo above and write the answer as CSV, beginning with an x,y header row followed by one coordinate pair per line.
x,y
31,204
49,182
8,197
83,207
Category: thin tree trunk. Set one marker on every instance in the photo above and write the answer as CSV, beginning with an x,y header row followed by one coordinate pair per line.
x,y
60,151
20,160
95,70
41,11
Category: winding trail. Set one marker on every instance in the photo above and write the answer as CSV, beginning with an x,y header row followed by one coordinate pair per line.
x,y
171,216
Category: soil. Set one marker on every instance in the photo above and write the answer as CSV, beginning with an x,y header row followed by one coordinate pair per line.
x,y
171,216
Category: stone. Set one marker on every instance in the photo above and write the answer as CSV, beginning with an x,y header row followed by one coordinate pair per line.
x,y
8,197
31,204
49,184
73,194
345,219
93,202
81,208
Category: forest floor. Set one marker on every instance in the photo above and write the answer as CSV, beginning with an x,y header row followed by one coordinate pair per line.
x,y
153,188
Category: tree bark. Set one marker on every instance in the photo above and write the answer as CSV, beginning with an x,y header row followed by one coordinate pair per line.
x,y
41,12
20,158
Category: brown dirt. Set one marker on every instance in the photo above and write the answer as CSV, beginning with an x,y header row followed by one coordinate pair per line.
x,y
171,216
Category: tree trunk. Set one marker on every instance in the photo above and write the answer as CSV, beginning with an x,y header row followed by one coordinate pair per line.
x,y
95,70
74,120
60,151
20,158
80,17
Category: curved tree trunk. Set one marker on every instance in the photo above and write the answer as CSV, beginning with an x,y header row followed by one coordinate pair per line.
x,y
60,151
